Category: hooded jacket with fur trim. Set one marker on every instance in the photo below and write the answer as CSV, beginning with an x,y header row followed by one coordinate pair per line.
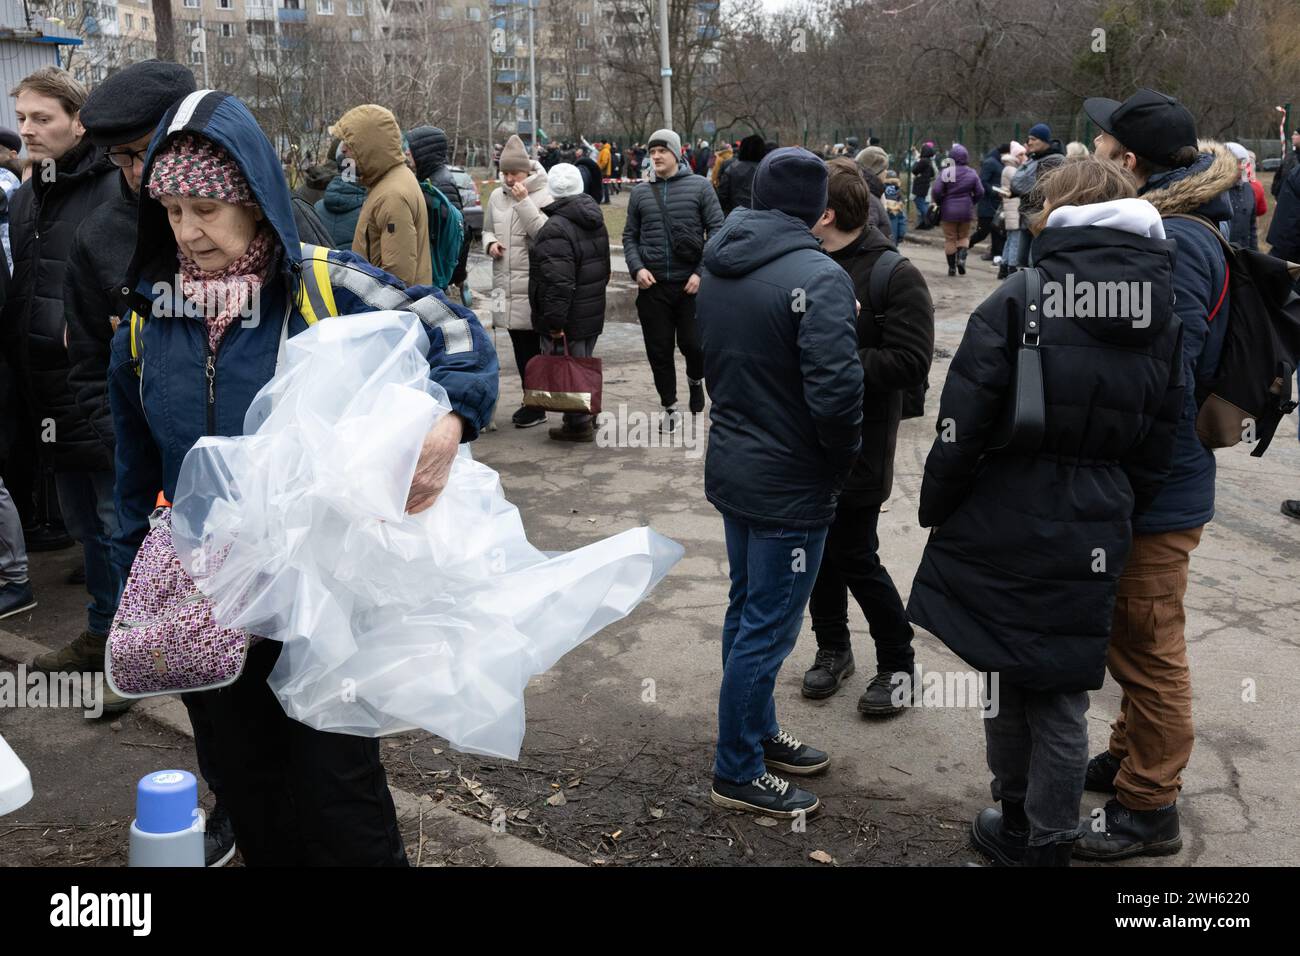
x,y
1200,273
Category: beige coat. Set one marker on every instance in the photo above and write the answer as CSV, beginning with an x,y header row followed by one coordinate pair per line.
x,y
1010,204
393,228
514,224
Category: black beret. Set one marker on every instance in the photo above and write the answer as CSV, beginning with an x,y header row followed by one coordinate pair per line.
x,y
130,103
10,139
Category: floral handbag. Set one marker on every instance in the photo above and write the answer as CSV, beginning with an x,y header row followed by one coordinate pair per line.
x,y
165,639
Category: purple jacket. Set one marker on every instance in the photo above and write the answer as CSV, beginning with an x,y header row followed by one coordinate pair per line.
x,y
958,188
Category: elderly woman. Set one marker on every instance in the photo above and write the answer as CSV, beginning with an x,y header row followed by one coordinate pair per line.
x,y
512,217
215,213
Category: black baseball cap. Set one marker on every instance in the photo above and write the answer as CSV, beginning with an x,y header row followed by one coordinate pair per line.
x,y
1150,124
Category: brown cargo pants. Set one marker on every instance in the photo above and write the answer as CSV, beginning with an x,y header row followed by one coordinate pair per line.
x,y
1152,738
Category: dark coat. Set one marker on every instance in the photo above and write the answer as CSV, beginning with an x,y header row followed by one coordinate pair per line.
x,y
1290,160
340,209
569,269
923,173
592,178
895,356
1187,498
1243,231
44,216
692,204
429,149
95,301
1020,571
736,181
991,178
1284,230
776,321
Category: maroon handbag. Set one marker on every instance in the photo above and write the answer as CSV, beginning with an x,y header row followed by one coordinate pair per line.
x,y
563,383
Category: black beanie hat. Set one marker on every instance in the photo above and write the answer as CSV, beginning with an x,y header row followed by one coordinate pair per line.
x,y
793,181
130,103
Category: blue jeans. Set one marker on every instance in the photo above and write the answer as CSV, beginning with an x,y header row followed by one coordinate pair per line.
x,y
922,207
86,500
1011,251
772,574
899,221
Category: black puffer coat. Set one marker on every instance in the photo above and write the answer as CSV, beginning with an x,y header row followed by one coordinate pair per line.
x,y
1019,574
44,216
895,356
569,269
693,207
429,150
1284,230
92,295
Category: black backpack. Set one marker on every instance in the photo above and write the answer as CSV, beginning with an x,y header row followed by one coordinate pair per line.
x,y
1251,390
877,299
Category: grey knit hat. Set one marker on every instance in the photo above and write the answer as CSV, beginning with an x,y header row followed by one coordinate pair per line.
x,y
667,139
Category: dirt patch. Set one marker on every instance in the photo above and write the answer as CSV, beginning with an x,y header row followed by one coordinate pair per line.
x,y
644,803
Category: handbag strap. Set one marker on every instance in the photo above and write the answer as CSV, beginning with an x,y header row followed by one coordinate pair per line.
x,y
1031,321
669,225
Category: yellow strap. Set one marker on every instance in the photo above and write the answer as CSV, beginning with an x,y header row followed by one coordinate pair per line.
x,y
316,294
137,324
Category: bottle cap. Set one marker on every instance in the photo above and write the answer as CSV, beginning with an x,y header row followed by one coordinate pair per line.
x,y
165,801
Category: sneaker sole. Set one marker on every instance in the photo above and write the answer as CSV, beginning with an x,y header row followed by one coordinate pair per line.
x,y
18,610
540,421
805,770
230,855
732,804
823,694
1166,848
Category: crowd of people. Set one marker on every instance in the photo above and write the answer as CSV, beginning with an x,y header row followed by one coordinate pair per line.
x,y
1058,551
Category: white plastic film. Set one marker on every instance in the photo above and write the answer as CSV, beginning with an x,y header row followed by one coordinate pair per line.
x,y
297,531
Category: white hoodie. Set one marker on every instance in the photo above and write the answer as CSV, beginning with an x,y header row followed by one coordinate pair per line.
x,y
1127,215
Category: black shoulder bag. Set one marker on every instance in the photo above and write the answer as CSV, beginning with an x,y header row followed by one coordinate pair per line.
x,y
1024,417
686,245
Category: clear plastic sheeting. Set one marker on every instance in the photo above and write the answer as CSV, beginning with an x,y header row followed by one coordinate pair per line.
x,y
297,531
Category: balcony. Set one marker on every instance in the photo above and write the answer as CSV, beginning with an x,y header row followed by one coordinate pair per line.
x,y
292,16
508,76
259,9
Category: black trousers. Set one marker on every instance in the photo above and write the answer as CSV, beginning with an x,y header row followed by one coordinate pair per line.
x,y
296,796
851,563
667,313
984,228
526,345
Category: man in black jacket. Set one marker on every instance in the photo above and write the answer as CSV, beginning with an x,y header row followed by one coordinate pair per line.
x,y
737,177
1289,162
70,179
780,355
895,337
667,274
991,177
567,274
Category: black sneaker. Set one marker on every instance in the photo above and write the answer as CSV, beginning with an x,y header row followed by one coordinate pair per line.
x,y
831,668
1101,773
16,598
769,795
1002,836
77,575
889,693
788,753
1130,833
697,395
46,537
218,838
527,417
1291,508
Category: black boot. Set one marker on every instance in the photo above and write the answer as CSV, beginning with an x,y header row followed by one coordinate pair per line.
x,y
961,262
1002,270
1052,854
1101,773
1002,836
1130,833
831,668
952,264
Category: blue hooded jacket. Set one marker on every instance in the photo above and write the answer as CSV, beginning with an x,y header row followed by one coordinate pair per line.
x,y
1200,271
163,406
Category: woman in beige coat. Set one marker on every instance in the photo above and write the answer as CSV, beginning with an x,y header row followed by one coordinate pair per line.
x,y
510,221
